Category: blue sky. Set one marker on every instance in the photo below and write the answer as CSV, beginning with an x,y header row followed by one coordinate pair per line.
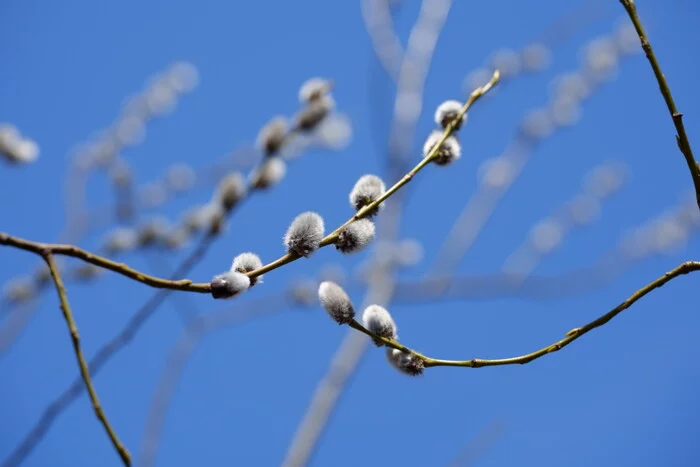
x,y
622,395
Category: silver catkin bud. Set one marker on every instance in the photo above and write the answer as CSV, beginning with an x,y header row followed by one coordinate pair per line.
x,y
273,136
378,320
19,289
447,112
355,236
248,262
269,173
367,189
404,362
310,116
231,190
153,231
449,151
119,240
336,302
314,89
305,234
229,284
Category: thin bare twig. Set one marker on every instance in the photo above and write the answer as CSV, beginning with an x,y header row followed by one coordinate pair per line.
x,y
184,285
571,336
84,371
681,136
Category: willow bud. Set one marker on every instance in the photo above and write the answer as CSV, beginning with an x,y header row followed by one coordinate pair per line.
x,y
304,234
336,302
229,284
355,236
378,321
404,362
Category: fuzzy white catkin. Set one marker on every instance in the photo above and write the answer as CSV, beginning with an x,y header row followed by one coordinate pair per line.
x,y
270,173
367,189
447,112
248,262
230,190
304,234
273,135
313,89
336,302
449,151
313,114
229,284
378,320
355,236
405,363
119,240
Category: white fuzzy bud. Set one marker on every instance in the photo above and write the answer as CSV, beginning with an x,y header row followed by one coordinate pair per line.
x,y
87,271
507,61
355,236
404,362
304,292
336,302
314,89
19,290
367,189
269,173
378,320
177,237
230,190
119,240
447,112
180,177
273,135
152,231
248,262
229,284
304,234
313,114
449,151
536,57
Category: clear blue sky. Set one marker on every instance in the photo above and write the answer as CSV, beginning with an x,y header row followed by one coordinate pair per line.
x,y
623,395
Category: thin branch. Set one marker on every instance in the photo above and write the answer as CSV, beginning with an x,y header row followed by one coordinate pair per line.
x,y
185,285
367,209
52,411
681,136
84,371
571,336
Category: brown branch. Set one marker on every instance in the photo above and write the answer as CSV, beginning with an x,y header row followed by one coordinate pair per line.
x,y
571,336
85,373
681,136
185,285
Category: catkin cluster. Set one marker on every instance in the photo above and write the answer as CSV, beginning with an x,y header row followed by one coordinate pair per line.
x,y
447,113
376,319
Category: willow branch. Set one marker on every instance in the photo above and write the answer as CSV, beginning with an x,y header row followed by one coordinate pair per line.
x,y
332,237
676,116
571,336
85,373
185,285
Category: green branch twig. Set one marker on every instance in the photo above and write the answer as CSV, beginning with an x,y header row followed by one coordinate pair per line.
x,y
185,285
681,136
47,254
332,237
571,336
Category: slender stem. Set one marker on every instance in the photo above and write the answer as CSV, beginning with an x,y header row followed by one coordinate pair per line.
x,y
85,373
681,136
571,336
332,237
121,268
